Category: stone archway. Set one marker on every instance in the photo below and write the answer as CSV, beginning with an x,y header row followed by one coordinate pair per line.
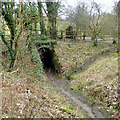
x,y
48,58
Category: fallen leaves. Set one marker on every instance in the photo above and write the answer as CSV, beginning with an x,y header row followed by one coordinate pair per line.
x,y
99,83
32,100
76,55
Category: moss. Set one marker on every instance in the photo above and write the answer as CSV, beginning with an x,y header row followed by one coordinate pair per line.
x,y
37,61
65,109
71,88
56,62
69,73
71,107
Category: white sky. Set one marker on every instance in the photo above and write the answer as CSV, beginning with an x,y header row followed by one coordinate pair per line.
x,y
105,4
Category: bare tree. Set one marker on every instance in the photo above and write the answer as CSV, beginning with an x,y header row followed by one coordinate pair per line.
x,y
42,24
52,13
95,17
15,40
80,17
7,12
118,48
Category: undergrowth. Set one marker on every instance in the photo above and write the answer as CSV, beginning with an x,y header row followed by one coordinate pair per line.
x,y
99,83
74,54
26,92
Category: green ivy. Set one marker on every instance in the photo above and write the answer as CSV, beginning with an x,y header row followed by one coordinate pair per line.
x,y
35,56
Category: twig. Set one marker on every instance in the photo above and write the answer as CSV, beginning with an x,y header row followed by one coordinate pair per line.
x,y
4,73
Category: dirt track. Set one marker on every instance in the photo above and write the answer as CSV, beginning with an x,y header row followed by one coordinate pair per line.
x,y
61,85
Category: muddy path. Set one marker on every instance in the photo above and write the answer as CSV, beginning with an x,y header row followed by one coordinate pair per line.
x,y
90,61
62,86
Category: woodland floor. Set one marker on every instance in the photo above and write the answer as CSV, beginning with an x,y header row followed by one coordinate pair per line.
x,y
25,96
99,83
73,55
97,79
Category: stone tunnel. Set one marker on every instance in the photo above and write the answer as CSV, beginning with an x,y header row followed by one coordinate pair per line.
x,y
47,58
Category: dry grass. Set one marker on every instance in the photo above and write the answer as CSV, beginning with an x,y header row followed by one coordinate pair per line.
x,y
74,54
32,100
24,95
99,83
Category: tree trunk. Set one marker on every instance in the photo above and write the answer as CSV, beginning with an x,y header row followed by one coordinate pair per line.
x,y
61,34
8,16
52,8
35,27
42,25
118,46
17,42
94,38
11,24
84,35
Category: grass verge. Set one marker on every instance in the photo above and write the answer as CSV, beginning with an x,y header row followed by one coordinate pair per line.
x,y
74,54
99,83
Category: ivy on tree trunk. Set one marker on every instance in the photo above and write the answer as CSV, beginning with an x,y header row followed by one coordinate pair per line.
x,y
42,25
8,16
52,8
7,12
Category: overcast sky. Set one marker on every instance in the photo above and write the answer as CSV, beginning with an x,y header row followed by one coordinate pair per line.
x,y
105,4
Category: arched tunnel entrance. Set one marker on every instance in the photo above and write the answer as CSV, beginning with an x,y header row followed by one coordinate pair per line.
x,y
48,59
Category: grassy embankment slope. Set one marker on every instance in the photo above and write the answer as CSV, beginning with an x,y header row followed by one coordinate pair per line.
x,y
26,94
74,54
98,83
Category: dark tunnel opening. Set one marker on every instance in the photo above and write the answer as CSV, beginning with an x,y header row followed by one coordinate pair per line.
x,y
47,58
